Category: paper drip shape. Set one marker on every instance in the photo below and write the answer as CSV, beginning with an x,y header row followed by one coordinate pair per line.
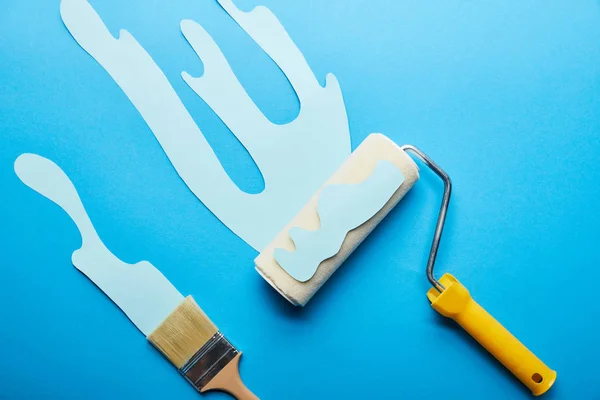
x,y
341,208
294,159
140,290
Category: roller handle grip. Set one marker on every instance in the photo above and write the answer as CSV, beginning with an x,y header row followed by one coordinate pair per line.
x,y
455,302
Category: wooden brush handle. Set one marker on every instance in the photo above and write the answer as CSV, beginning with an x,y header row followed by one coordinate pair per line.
x,y
228,380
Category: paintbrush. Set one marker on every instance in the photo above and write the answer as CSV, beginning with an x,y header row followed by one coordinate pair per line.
x,y
199,350
173,324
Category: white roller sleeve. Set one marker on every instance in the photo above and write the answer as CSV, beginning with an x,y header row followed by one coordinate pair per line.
x,y
356,168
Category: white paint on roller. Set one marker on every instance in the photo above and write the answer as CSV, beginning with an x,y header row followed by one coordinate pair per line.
x,y
341,208
140,290
360,164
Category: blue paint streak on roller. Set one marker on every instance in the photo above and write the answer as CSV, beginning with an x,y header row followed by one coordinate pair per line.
x,y
341,208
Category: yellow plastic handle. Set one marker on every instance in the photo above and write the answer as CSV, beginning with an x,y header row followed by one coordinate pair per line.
x,y
456,302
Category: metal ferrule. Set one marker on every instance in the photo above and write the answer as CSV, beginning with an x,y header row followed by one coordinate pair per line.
x,y
208,361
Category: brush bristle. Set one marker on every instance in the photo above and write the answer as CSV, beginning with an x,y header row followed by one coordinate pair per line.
x,y
183,333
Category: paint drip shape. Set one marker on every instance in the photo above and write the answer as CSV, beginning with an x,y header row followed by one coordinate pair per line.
x,y
294,158
140,290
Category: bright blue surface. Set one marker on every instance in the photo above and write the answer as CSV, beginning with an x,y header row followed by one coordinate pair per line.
x,y
504,95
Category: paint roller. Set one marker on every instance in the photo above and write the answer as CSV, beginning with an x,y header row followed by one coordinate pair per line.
x,y
314,244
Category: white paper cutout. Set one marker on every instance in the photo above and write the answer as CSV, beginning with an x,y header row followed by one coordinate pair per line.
x,y
294,159
341,208
140,290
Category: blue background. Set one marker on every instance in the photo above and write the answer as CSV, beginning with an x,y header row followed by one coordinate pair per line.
x,y
505,95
